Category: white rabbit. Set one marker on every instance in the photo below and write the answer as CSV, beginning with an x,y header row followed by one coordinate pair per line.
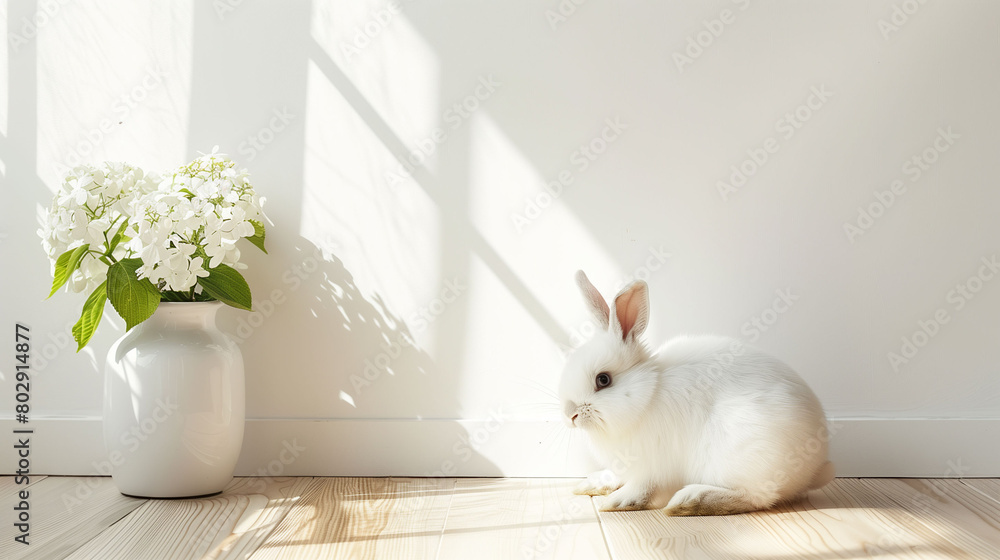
x,y
706,426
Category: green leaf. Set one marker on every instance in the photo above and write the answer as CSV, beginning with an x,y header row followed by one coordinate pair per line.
x,y
133,298
66,264
168,295
118,236
258,235
227,285
93,310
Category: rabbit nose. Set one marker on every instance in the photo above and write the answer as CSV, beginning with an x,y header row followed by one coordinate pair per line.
x,y
570,410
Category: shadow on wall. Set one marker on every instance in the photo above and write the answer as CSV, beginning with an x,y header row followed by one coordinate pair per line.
x,y
341,348
324,343
315,337
317,345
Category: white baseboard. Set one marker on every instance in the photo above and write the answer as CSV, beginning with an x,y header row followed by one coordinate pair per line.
x,y
291,447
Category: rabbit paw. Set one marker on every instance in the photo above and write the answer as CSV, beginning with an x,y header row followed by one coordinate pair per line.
x,y
702,499
600,483
627,498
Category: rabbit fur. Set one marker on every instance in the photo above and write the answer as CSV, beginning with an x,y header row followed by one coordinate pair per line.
x,y
707,425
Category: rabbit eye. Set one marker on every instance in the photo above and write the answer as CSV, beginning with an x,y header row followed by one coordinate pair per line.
x,y
603,380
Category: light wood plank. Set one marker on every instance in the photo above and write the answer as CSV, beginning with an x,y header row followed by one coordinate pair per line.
x,y
955,511
166,529
521,518
843,520
8,487
986,486
270,500
86,517
904,530
363,518
652,534
197,528
66,513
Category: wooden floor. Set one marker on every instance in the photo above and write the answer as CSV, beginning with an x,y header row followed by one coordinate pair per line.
x,y
481,519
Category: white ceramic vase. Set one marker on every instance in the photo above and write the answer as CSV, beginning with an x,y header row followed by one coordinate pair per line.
x,y
174,404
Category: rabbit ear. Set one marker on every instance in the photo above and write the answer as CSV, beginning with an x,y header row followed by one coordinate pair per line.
x,y
595,301
631,311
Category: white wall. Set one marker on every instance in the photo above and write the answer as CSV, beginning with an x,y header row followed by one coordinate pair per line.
x,y
340,94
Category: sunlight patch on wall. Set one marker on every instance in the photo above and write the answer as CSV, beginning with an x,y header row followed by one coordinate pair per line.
x,y
500,334
113,84
389,62
386,234
526,222
543,246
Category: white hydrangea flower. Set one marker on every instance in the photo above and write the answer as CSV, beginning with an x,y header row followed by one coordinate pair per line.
x,y
89,207
208,205
172,232
179,269
180,227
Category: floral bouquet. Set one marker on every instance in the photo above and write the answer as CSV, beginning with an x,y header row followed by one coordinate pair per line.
x,y
136,239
